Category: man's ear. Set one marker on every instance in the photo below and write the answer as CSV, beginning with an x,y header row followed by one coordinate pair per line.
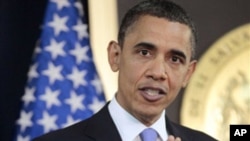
x,y
189,73
114,53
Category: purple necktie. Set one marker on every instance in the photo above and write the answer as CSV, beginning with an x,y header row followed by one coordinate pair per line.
x,y
148,134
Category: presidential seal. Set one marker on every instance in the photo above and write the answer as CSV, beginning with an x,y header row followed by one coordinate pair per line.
x,y
219,92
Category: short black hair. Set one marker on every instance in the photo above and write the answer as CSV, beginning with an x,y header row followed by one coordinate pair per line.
x,y
159,8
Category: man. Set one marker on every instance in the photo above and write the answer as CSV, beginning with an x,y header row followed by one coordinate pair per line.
x,y
154,59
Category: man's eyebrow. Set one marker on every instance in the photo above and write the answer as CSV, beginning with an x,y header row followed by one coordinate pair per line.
x,y
145,45
151,46
179,53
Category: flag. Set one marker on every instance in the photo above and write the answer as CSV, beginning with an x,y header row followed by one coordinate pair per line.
x,y
63,86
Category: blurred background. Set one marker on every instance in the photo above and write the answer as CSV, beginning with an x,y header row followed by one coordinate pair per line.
x,y
20,22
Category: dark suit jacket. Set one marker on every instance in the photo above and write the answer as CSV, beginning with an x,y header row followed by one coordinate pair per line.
x,y
100,127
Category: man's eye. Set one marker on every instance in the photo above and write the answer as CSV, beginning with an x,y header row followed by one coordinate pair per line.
x,y
144,52
176,59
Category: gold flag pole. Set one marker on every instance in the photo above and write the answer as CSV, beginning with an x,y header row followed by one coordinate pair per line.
x,y
103,28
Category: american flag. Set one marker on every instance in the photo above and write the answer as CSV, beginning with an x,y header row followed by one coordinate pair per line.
x,y
63,86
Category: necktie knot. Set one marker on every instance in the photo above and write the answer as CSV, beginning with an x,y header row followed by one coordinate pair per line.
x,y
148,134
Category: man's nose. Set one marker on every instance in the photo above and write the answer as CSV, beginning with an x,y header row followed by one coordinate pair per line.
x,y
157,70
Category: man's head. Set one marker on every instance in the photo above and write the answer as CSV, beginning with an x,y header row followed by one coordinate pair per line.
x,y
153,58
158,8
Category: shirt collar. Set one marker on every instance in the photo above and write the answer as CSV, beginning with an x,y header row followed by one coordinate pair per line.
x,y
129,127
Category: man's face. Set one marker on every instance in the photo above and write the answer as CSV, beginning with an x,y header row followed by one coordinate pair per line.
x,y
154,64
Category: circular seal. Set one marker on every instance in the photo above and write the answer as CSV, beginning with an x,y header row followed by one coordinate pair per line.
x,y
219,91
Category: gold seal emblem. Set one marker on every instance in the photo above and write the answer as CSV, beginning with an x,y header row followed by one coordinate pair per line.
x,y
219,92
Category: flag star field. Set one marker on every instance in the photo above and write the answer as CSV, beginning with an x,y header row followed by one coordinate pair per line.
x,y
63,86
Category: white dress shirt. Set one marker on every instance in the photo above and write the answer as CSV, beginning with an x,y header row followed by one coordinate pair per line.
x,y
129,127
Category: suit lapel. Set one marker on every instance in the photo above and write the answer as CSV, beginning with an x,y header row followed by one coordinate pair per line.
x,y
101,126
173,129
